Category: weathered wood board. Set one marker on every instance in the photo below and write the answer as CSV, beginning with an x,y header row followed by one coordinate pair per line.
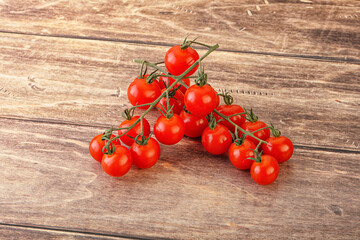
x,y
304,28
49,179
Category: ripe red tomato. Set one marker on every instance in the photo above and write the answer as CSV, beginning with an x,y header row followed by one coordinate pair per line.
x,y
178,60
194,125
118,163
96,145
252,126
266,171
140,92
239,155
171,81
216,141
145,156
228,110
169,131
280,148
136,130
200,101
177,101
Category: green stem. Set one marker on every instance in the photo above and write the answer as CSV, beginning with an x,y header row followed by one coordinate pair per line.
x,y
176,78
227,118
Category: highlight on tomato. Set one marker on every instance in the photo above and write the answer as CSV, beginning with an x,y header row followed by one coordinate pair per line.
x,y
179,58
258,128
140,91
240,153
145,152
216,138
118,163
230,109
278,146
194,125
265,169
169,129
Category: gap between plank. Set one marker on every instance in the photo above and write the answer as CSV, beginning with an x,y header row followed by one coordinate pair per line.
x,y
83,232
149,43
103,126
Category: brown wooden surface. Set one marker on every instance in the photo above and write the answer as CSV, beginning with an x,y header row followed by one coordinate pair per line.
x,y
304,28
296,63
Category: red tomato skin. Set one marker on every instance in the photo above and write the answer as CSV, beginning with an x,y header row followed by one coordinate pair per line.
x,y
194,125
140,92
134,131
96,145
280,148
169,131
265,172
216,141
145,156
263,134
228,110
119,163
239,155
171,81
200,101
178,60
177,101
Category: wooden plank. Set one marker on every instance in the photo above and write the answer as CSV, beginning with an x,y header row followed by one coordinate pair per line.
x,y
49,179
327,29
85,82
30,232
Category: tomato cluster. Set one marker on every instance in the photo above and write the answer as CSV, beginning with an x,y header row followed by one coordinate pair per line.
x,y
192,110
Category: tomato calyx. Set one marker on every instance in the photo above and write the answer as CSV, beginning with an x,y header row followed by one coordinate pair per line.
x,y
201,80
250,116
141,139
109,146
128,113
212,121
257,155
187,43
168,112
152,77
228,99
276,132
239,140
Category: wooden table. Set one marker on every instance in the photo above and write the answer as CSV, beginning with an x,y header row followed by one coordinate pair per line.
x,y
64,70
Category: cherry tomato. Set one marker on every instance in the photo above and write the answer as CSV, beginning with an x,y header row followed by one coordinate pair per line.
x,y
177,101
178,60
96,145
194,125
266,171
216,141
119,163
200,101
280,148
239,155
140,92
164,79
228,110
252,126
169,131
136,130
145,156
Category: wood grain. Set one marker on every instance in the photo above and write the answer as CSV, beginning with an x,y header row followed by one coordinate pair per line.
x,y
84,83
39,233
49,179
320,29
